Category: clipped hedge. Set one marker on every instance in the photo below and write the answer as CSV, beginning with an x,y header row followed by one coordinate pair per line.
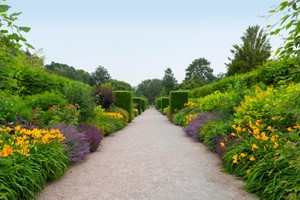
x,y
124,99
164,103
137,101
144,104
177,100
158,103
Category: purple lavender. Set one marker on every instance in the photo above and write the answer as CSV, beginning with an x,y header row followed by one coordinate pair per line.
x,y
198,123
76,143
93,135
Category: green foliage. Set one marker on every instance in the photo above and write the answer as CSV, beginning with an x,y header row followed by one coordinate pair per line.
x,y
100,75
119,85
137,104
123,112
23,177
12,106
150,89
144,104
69,72
79,94
46,100
177,101
10,31
108,122
35,80
168,81
184,116
289,22
253,52
164,103
125,101
158,103
199,70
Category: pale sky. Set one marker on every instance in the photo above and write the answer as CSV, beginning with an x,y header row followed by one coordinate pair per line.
x,y
138,39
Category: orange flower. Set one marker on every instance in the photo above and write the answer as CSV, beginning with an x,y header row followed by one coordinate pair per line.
x,y
289,129
243,155
254,146
263,136
235,158
252,158
6,151
276,145
222,144
270,128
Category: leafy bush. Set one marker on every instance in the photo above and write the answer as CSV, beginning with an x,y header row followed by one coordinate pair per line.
x,y
76,143
57,114
217,135
185,115
197,123
177,100
45,100
164,103
79,94
12,106
104,96
144,104
135,112
123,112
93,135
109,122
125,101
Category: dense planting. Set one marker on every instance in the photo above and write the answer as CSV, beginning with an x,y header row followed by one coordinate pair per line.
x,y
254,128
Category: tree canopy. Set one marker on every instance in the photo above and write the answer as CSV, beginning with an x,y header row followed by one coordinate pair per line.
x,y
100,75
150,89
254,51
169,81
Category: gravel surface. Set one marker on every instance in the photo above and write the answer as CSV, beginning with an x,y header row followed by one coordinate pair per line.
x,y
149,159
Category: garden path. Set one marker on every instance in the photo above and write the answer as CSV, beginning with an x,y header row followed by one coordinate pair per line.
x,y
149,159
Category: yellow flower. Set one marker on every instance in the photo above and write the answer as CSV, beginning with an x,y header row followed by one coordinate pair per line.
x,y
248,171
276,145
233,126
243,155
254,146
6,151
252,158
222,144
263,136
274,118
233,134
17,128
273,138
289,129
257,123
270,128
256,131
235,158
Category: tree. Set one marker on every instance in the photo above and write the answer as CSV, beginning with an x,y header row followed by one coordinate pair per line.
x,y
169,81
254,51
10,33
200,71
188,84
290,21
69,72
100,75
150,89
119,85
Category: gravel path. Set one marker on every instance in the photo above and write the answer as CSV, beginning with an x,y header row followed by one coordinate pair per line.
x,y
149,159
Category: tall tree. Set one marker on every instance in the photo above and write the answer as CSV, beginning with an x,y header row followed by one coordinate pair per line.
x,y
168,81
150,89
100,75
254,51
119,85
200,71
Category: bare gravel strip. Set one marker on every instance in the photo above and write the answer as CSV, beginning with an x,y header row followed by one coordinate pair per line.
x,y
149,159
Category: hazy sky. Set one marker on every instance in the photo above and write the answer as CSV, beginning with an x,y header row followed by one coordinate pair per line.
x,y
138,39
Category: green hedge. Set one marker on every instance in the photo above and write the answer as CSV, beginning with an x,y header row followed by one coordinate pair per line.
x,y
137,102
124,99
158,103
144,104
177,100
164,103
273,73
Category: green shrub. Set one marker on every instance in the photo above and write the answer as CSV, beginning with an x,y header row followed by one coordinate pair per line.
x,y
123,112
125,101
45,100
103,95
164,103
79,94
158,104
135,112
144,104
137,104
12,106
177,101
